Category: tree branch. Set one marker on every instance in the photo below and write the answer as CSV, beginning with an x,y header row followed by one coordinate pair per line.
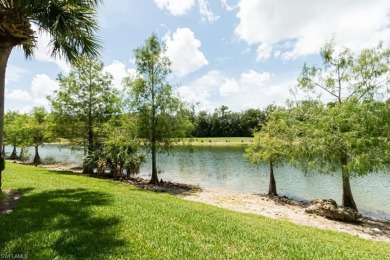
x,y
318,85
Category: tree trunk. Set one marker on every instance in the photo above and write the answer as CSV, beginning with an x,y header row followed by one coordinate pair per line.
x,y
2,153
272,182
5,51
348,200
154,179
90,148
13,155
91,140
21,155
37,158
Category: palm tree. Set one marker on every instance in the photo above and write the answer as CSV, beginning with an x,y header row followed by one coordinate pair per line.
x,y
71,24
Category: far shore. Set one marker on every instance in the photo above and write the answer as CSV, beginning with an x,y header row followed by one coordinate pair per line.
x,y
196,141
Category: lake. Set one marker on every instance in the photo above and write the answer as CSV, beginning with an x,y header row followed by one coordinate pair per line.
x,y
225,168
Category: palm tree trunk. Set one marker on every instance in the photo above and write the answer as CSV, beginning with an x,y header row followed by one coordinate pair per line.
x,y
272,182
348,200
5,51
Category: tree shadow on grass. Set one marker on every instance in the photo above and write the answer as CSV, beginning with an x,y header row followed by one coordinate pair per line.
x,y
62,224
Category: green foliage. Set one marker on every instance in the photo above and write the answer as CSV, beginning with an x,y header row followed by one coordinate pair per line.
x,y
274,142
162,118
358,130
25,156
16,129
161,114
70,216
117,153
346,76
355,126
351,133
84,102
71,25
38,128
225,123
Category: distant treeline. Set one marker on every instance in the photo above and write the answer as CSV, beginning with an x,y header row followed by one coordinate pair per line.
x,y
225,123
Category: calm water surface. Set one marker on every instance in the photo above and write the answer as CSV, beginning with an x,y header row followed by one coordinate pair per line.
x,y
225,168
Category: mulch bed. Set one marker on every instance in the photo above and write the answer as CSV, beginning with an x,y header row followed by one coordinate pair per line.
x,y
163,187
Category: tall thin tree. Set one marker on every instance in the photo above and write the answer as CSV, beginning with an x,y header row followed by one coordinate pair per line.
x,y
162,117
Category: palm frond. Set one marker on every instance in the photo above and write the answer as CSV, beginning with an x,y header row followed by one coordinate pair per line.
x,y
71,24
4,4
28,49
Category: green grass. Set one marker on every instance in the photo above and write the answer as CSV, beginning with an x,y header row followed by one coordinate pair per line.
x,y
69,216
220,140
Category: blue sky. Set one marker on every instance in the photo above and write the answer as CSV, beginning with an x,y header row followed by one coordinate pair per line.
x,y
239,53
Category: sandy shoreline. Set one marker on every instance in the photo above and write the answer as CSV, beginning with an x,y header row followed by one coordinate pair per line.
x,y
277,208
263,205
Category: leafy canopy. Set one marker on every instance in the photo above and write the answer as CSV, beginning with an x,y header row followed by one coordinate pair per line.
x,y
274,142
85,99
161,115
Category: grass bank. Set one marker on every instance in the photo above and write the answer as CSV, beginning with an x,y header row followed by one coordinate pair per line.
x,y
219,141
67,216
199,141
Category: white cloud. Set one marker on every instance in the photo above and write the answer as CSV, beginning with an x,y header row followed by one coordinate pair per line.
x,y
175,7
229,87
308,24
182,7
257,90
251,89
118,70
42,51
264,51
13,74
205,12
227,6
18,94
183,51
41,87
252,79
41,102
26,109
195,95
201,90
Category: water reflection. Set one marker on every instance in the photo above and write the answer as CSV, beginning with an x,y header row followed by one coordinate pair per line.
x,y
225,168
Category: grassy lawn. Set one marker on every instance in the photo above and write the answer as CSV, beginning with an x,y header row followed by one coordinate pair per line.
x,y
69,216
